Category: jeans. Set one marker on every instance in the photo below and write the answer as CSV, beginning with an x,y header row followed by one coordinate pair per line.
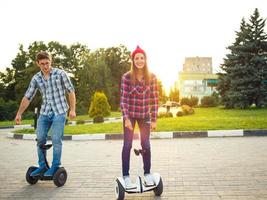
x,y
144,126
56,124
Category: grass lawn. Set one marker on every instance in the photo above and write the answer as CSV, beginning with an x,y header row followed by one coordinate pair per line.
x,y
80,117
86,117
12,123
203,119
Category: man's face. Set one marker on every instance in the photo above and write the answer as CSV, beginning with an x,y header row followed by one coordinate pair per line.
x,y
45,65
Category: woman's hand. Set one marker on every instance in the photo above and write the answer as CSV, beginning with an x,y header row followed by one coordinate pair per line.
x,y
153,126
128,124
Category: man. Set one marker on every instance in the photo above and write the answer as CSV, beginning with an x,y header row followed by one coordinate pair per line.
x,y
52,83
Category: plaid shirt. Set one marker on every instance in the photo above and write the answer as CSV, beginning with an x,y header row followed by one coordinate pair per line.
x,y
140,100
52,91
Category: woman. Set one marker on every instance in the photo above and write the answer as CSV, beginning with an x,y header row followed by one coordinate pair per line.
x,y
139,103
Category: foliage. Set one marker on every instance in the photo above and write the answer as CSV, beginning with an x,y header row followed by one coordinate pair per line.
x,y
89,71
192,101
174,94
179,113
215,118
165,114
209,101
162,93
101,71
8,109
99,106
187,110
242,82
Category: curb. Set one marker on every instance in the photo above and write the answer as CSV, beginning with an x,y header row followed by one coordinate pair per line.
x,y
154,135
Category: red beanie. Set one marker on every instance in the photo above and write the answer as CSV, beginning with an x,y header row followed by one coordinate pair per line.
x,y
138,50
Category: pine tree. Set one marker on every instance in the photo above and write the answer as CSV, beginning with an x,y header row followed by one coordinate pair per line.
x,y
243,82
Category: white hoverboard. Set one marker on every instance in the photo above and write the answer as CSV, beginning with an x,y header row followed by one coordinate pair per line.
x,y
140,185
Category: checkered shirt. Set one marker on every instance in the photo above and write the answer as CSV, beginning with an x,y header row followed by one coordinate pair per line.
x,y
52,91
139,100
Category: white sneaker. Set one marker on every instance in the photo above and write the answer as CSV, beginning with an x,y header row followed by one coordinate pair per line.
x,y
149,179
128,182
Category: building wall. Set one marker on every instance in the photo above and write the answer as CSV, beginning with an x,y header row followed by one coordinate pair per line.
x,y
193,78
198,65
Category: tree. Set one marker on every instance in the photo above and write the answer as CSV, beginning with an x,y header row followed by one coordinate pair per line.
x,y
8,109
117,60
102,70
174,94
245,67
162,93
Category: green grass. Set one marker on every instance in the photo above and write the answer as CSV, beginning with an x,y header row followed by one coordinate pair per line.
x,y
11,123
86,117
80,117
216,119
203,119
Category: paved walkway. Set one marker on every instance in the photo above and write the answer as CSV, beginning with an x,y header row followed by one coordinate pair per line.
x,y
196,168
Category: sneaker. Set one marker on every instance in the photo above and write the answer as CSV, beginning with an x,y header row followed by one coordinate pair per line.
x,y
149,180
38,171
50,171
128,183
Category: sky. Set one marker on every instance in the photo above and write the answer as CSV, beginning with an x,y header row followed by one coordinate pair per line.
x,y
168,30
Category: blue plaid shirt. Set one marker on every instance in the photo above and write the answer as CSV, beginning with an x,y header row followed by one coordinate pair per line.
x,y
52,91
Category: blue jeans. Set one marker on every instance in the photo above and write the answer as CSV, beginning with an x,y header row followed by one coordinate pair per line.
x,y
144,126
56,124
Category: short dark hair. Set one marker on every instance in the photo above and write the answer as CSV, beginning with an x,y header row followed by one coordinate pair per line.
x,y
43,55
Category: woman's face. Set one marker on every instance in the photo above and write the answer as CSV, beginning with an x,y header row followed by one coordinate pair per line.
x,y
139,60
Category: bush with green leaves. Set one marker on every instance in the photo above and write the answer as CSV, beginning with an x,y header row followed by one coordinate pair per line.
x,y
99,106
179,113
8,109
209,101
192,101
187,110
80,121
165,115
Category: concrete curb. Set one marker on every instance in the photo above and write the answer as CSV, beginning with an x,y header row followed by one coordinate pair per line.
x,y
154,135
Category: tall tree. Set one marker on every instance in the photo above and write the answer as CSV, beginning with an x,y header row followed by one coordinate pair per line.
x,y
162,93
101,71
243,82
174,94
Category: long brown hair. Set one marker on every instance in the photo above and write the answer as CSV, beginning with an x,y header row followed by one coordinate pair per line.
x,y
133,72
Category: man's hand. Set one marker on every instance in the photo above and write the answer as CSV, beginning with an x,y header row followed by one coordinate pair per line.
x,y
128,124
153,126
72,114
23,105
18,119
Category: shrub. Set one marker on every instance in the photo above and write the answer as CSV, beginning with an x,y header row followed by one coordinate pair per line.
x,y
165,114
168,114
8,109
187,110
98,119
209,101
179,114
192,101
99,106
80,122
28,115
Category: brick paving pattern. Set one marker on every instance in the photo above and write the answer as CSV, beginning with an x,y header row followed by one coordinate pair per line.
x,y
191,168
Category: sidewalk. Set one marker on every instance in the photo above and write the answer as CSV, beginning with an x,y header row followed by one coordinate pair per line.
x,y
198,168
